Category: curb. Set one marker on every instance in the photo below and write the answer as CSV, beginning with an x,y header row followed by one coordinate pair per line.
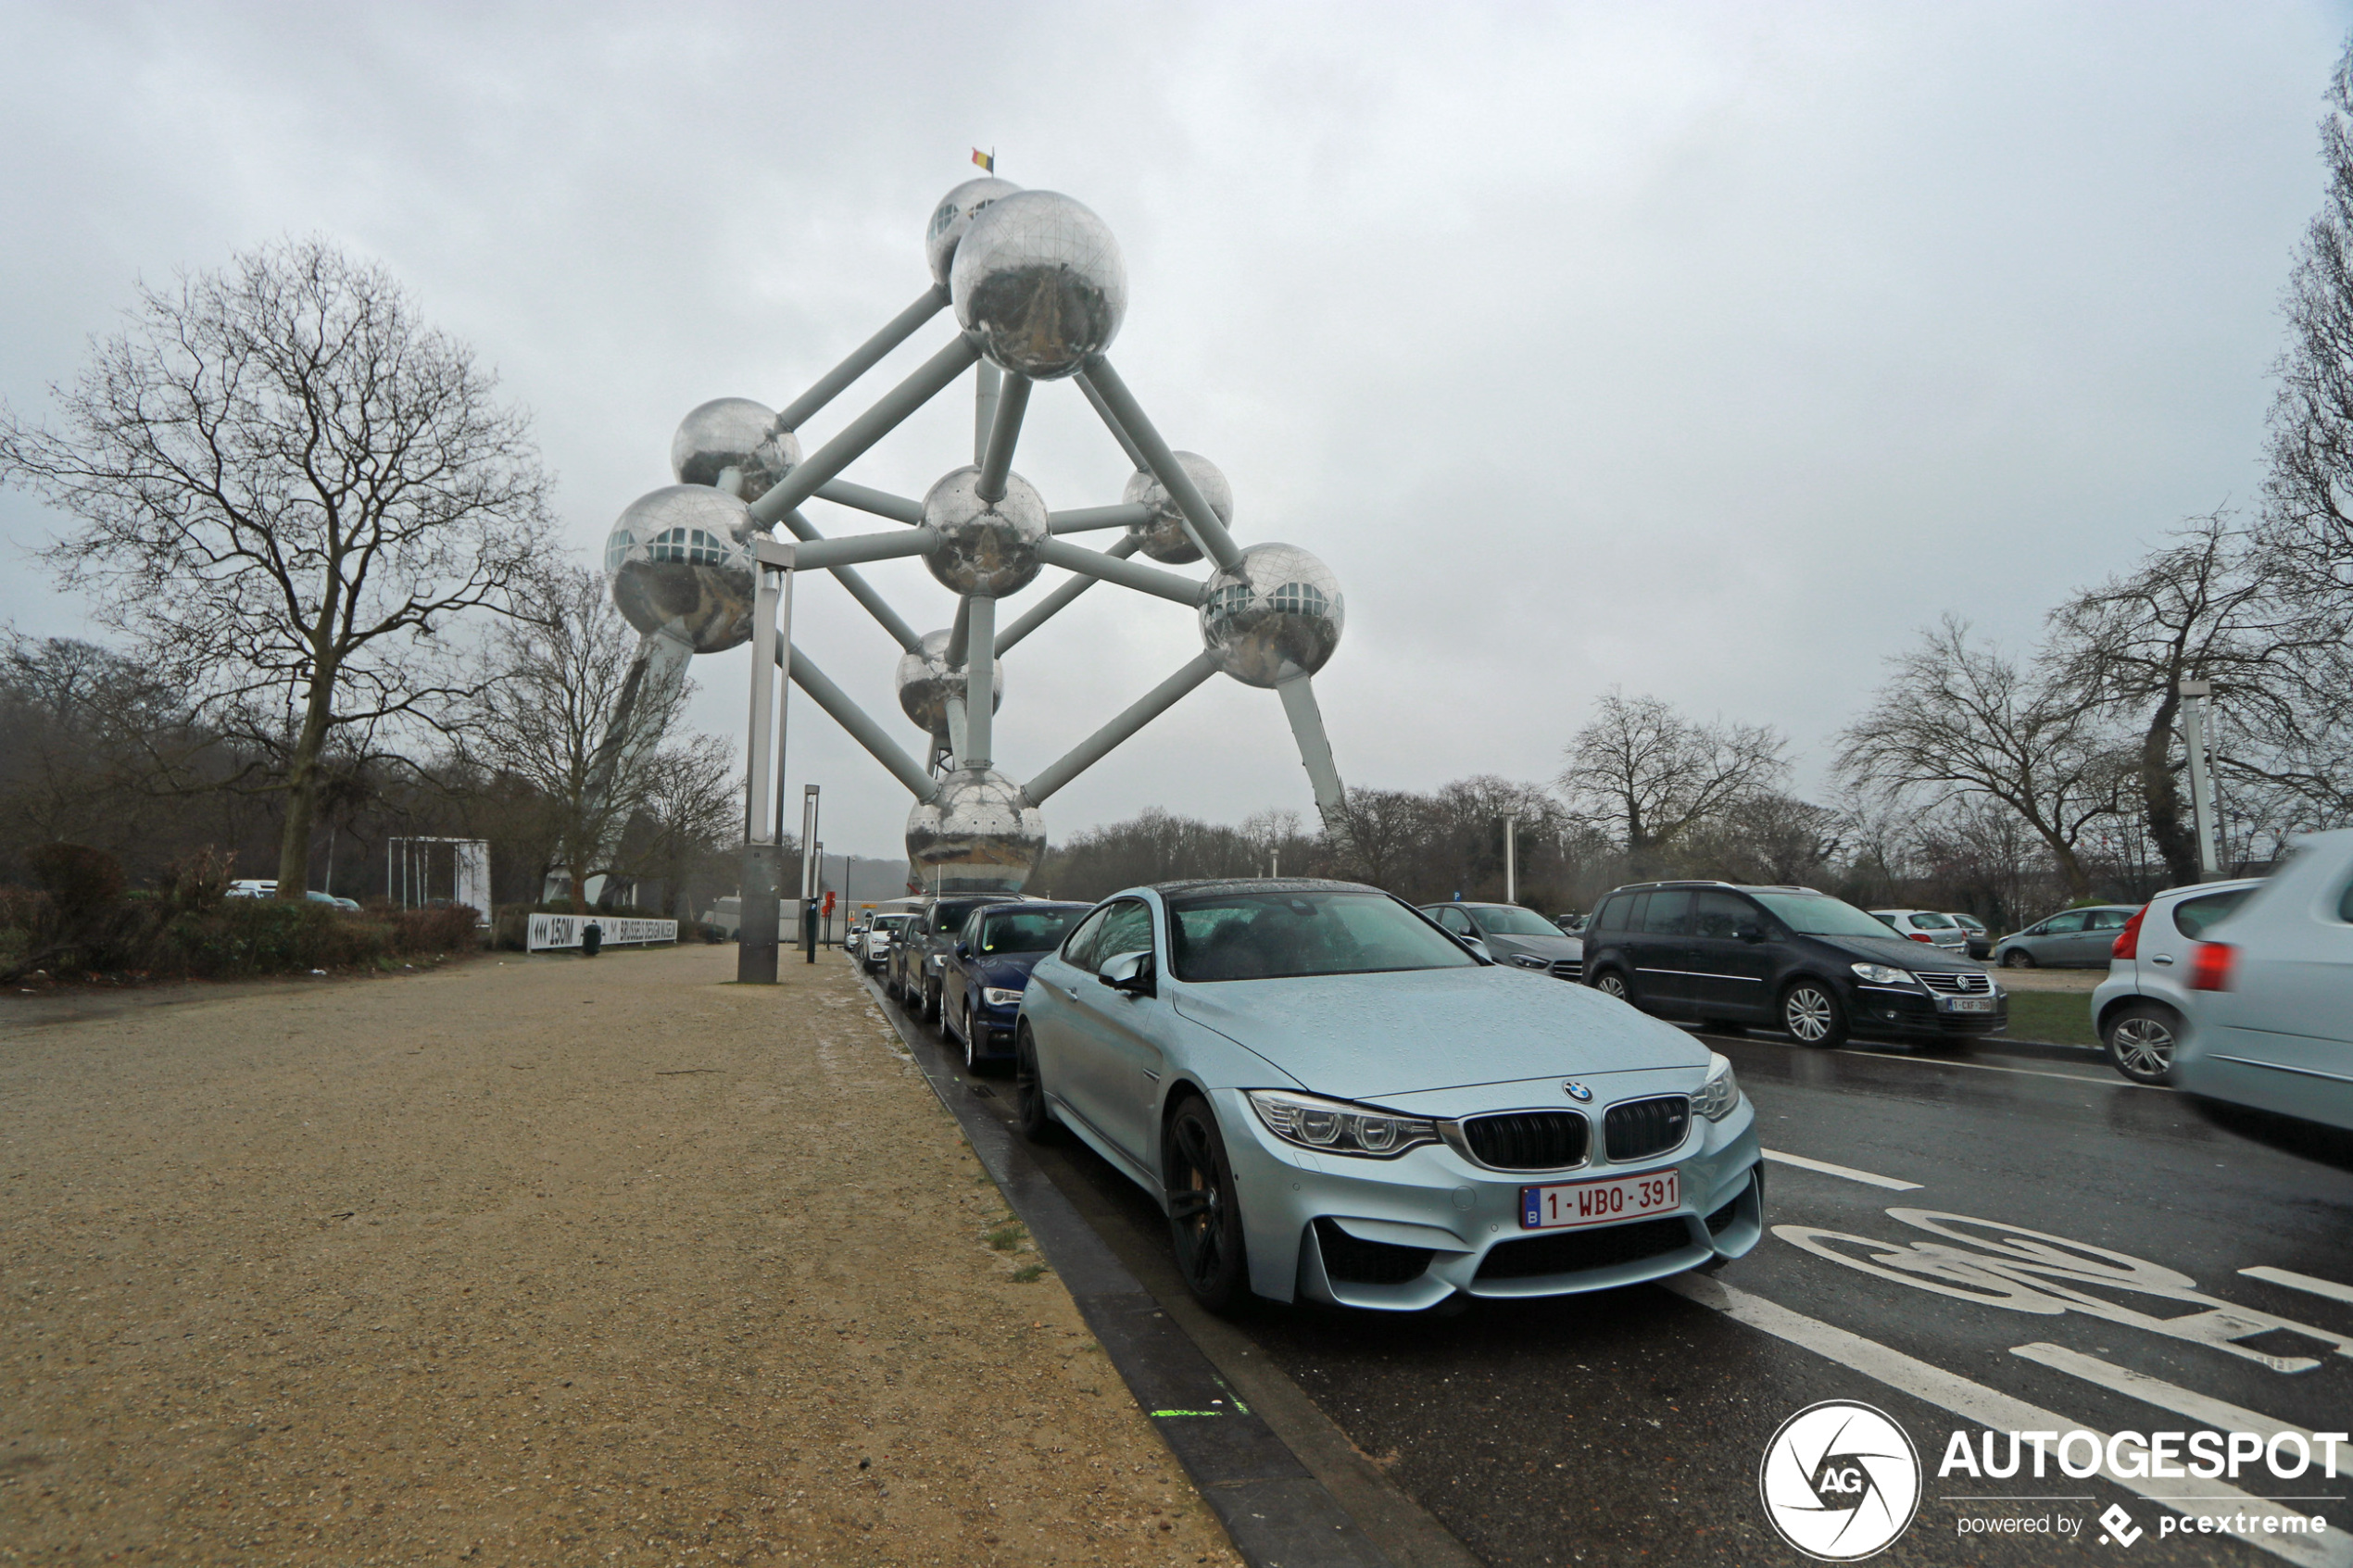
x,y
1276,1512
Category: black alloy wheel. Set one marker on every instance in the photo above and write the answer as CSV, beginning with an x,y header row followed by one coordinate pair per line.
x,y
2017,958
1609,983
1204,1222
2140,1037
1812,1016
971,1042
1036,1124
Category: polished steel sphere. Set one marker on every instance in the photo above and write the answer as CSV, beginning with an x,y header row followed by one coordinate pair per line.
x,y
1274,615
733,433
925,683
1163,537
680,560
1038,279
984,548
953,216
981,835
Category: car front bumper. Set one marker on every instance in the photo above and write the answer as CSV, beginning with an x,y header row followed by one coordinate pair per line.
x,y
1406,1234
1890,1013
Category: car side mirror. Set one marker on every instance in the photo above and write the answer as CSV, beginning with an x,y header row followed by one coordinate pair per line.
x,y
963,949
1128,972
1476,946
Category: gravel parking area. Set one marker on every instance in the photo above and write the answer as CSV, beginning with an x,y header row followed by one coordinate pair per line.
x,y
547,1261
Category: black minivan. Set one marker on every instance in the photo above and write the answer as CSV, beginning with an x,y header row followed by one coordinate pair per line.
x,y
1789,957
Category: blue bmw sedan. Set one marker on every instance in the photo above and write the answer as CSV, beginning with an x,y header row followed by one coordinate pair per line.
x,y
1331,1099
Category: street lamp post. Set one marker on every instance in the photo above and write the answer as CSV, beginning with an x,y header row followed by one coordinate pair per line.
x,y
762,885
1511,859
809,873
2195,696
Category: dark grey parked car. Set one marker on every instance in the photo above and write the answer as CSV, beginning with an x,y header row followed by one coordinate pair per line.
x,y
1514,935
2071,939
911,974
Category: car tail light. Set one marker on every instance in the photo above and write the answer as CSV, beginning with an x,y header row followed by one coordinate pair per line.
x,y
2210,966
2128,941
1923,936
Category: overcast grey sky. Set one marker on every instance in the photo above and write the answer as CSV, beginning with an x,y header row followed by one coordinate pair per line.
x,y
1707,350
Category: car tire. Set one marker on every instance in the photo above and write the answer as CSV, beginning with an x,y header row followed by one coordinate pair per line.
x,y
1205,1218
1811,1014
1035,1122
2140,1038
1610,983
2017,958
972,1050
931,1005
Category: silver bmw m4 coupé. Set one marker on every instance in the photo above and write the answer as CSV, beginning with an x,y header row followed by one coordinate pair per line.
x,y
1335,1099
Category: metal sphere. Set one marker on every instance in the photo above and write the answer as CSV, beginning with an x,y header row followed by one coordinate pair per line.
x,y
733,433
1163,537
953,216
1276,615
981,835
925,683
680,560
984,548
1038,279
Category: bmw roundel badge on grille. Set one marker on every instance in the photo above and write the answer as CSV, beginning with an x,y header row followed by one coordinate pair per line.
x,y
1576,1091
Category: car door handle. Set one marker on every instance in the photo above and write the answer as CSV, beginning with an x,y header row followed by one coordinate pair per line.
x,y
2160,957
1071,991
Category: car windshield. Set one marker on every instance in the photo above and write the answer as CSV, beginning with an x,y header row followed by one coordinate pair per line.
x,y
948,917
1026,931
1282,936
889,923
1813,914
1928,922
1507,920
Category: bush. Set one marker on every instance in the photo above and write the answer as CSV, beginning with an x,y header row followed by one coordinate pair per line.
x,y
83,884
451,929
241,936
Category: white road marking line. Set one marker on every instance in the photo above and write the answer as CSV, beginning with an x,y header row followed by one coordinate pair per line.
x,y
1980,1406
2218,1414
2113,1082
1852,1174
2294,1280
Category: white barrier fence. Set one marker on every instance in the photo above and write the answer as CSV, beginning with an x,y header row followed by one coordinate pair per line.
x,y
550,932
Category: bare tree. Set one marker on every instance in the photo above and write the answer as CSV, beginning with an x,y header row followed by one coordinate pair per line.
x,y
1647,773
553,682
2213,606
1956,720
694,809
286,487
2310,489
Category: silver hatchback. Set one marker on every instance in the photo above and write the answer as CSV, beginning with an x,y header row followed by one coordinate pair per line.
x,y
2139,1008
2071,939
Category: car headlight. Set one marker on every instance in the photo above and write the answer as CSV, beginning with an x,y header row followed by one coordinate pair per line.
x,y
1720,1093
1524,962
933,961
995,998
1334,1126
1882,974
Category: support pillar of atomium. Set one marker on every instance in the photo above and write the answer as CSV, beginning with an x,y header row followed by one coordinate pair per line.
x,y
1039,290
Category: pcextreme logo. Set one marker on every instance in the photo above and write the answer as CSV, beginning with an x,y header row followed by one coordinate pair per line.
x,y
1840,1481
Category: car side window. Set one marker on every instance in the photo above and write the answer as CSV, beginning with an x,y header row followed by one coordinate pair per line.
x,y
1635,910
1612,914
1454,920
2060,925
2192,916
1670,913
1079,949
2108,920
1128,928
1723,915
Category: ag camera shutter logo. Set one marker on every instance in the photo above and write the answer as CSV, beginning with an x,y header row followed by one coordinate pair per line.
x,y
1840,1481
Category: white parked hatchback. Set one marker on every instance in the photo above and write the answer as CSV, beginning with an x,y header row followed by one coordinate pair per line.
x,y
1927,925
2271,1020
2139,1008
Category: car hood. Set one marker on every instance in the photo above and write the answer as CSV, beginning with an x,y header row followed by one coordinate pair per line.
x,y
1357,1036
1007,971
1900,951
1552,950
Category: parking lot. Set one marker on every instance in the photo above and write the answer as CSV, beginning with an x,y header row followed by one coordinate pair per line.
x,y
2083,1253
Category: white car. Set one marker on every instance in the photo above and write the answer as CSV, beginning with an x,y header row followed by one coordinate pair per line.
x,y
2139,1008
874,942
2270,993
1927,925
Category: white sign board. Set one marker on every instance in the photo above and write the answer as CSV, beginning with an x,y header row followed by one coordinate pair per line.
x,y
550,932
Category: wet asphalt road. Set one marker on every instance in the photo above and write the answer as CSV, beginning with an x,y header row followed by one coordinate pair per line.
x,y
1627,1426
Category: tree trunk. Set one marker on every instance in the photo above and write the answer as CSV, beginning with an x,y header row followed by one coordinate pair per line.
x,y
2070,868
302,785
2162,798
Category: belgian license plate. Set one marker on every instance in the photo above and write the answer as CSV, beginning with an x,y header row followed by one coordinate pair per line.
x,y
1598,1203
1968,1003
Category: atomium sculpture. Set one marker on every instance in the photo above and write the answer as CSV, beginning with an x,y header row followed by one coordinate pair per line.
x,y
1038,289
